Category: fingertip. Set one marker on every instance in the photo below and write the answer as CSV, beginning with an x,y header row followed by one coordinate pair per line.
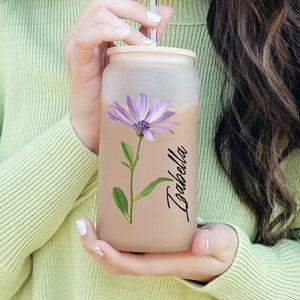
x,y
109,251
148,42
81,226
201,245
165,11
123,32
207,244
98,250
85,227
153,17
200,249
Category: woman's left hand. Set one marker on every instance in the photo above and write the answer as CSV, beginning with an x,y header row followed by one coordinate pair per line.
x,y
212,253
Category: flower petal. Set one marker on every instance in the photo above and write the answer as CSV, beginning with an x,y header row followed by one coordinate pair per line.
x,y
118,113
117,119
148,135
142,106
159,111
163,125
154,106
160,129
133,109
165,116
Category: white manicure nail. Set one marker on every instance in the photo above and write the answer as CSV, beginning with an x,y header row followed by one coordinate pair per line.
x,y
206,245
153,16
149,42
123,31
97,250
81,227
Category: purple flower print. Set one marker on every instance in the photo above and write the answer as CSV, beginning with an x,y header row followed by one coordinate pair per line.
x,y
143,120
146,122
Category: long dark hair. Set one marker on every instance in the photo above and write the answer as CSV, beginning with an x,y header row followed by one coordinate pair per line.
x,y
258,42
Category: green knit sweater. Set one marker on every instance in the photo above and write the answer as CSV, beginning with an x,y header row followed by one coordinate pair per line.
x,y
47,177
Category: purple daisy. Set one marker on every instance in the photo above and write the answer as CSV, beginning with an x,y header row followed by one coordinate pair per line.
x,y
145,121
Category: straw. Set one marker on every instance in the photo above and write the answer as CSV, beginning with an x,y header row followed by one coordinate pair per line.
x,y
152,31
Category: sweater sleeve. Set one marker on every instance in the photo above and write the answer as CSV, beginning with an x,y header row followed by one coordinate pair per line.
x,y
265,272
39,186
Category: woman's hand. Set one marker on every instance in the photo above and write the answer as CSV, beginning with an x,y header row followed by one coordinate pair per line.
x,y
211,254
84,46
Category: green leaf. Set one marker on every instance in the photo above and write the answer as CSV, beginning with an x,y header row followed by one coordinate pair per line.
x,y
125,164
150,187
121,201
127,152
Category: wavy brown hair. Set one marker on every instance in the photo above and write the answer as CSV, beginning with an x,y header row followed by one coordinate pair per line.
x,y
258,42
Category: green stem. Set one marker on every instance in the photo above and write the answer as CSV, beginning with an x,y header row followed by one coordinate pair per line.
x,y
140,137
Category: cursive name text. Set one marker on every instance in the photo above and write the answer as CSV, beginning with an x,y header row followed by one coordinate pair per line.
x,y
177,197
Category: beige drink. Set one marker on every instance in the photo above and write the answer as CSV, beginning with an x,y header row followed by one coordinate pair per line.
x,y
164,220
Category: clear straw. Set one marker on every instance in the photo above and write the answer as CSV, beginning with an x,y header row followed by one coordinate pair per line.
x,y
152,31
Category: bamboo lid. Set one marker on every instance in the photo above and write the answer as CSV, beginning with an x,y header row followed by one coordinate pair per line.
x,y
151,50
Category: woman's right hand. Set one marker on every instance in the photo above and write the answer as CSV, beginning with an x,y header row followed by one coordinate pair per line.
x,y
84,46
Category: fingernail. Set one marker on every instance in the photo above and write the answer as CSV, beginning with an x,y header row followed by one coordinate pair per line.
x,y
97,250
206,246
81,227
149,42
153,17
123,31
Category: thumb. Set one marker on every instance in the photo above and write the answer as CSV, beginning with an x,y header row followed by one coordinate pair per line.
x,y
166,13
216,240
